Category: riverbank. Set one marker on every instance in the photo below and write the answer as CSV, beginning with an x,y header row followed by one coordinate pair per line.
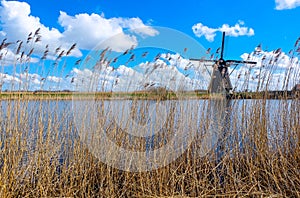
x,y
139,95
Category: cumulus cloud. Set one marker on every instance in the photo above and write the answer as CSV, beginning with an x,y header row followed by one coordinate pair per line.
x,y
209,33
18,23
170,71
136,25
87,30
6,78
274,70
286,4
54,79
108,79
8,57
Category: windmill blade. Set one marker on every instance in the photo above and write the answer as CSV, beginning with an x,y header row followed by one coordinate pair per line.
x,y
233,69
222,49
236,63
209,73
203,60
198,63
240,62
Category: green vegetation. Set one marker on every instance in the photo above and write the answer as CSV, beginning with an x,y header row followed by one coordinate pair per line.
x,y
141,95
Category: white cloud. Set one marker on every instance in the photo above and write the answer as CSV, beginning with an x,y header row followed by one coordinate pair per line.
x,y
209,33
8,57
119,43
286,4
136,25
18,23
87,30
54,79
201,30
6,78
171,71
274,70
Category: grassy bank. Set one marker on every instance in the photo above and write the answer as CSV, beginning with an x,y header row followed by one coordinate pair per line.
x,y
141,95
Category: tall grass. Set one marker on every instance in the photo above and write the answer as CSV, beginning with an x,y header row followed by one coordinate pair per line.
x,y
41,155
257,153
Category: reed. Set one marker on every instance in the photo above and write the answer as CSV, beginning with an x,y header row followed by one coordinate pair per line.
x,y
258,155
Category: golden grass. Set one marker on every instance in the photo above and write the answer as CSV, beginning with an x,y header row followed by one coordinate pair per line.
x,y
41,156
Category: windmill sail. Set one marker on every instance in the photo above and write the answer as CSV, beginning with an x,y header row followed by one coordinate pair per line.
x,y
203,72
220,81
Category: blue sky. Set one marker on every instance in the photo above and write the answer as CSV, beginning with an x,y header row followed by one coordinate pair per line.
x,y
272,27
274,24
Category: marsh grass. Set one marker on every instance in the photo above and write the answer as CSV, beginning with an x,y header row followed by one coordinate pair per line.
x,y
258,155
41,156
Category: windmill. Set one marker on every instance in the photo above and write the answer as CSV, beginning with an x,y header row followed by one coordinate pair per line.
x,y
220,82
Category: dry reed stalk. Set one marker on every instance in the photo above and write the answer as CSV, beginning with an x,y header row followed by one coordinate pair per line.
x,y
42,155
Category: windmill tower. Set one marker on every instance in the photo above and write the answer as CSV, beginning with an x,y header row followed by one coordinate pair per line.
x,y
220,83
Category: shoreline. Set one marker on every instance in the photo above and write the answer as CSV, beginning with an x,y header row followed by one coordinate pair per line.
x,y
189,95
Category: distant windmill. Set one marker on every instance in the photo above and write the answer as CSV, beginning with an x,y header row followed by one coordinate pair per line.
x,y
220,82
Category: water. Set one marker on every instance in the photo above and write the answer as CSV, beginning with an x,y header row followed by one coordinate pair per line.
x,y
216,125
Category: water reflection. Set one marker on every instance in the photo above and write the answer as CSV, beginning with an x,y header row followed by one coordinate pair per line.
x,y
149,128
138,135
30,126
